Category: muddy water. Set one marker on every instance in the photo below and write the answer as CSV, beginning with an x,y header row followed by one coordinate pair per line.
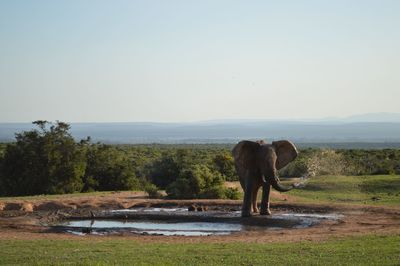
x,y
178,221
150,210
154,227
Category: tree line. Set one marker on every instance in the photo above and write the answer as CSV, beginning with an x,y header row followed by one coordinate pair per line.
x,y
48,160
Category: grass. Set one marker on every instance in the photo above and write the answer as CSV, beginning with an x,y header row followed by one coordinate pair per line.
x,y
366,250
48,197
58,196
385,189
376,189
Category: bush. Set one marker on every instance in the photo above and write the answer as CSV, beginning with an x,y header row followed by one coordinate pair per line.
x,y
296,168
152,191
198,181
232,193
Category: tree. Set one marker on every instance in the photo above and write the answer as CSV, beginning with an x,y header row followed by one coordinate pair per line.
x,y
165,171
109,168
44,161
225,165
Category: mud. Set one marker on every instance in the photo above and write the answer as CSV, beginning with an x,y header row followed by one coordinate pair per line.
x,y
48,219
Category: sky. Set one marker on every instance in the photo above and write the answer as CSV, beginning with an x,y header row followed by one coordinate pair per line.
x,y
180,61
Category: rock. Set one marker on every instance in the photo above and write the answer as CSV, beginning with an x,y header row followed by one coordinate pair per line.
x,y
13,206
86,230
27,207
192,208
202,208
51,206
375,198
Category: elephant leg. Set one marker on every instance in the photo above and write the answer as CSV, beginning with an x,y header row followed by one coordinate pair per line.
x,y
265,199
246,207
254,199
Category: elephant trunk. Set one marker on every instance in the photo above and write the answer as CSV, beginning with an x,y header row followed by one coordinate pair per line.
x,y
278,186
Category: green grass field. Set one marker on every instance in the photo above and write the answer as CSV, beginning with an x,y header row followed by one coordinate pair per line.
x,y
367,250
378,189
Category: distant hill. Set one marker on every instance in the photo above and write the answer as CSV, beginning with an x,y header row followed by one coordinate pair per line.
x,y
351,129
373,117
369,117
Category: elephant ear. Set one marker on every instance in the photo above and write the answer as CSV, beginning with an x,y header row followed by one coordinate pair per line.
x,y
285,152
244,154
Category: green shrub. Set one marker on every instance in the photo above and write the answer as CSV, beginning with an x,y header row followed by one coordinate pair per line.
x,y
232,193
198,181
152,191
296,168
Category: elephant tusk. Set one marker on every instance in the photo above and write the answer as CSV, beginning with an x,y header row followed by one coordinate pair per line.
x,y
263,179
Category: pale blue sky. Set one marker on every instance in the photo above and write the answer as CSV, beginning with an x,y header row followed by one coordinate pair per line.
x,y
81,61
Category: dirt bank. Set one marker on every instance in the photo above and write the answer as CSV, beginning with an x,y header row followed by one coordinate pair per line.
x,y
28,219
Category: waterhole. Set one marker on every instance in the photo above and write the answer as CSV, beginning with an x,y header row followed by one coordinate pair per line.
x,y
154,227
180,222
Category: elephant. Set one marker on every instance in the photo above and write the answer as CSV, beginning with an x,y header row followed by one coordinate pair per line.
x,y
257,164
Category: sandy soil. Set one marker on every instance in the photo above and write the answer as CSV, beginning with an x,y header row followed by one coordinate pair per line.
x,y
26,219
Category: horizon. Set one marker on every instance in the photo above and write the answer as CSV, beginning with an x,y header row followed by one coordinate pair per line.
x,y
356,129
359,117
185,61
